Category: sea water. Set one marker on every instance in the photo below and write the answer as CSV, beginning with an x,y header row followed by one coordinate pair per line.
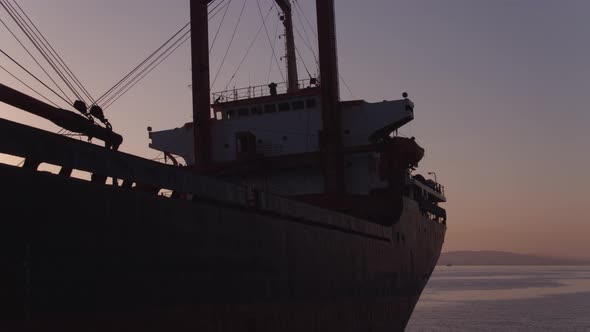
x,y
504,298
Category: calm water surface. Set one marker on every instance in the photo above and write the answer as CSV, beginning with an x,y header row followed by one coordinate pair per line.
x,y
505,298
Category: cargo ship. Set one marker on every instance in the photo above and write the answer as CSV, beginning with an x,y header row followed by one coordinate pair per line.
x,y
284,209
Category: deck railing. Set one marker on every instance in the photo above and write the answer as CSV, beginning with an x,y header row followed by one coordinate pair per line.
x,y
437,187
258,91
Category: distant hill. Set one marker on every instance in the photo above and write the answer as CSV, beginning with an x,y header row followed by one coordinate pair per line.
x,y
502,258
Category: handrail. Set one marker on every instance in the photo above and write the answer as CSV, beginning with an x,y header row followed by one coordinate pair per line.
x,y
437,187
257,91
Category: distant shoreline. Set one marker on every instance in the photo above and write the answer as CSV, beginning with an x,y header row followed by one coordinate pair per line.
x,y
446,265
502,258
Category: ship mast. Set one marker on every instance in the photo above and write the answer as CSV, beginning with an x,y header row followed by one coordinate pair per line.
x,y
201,80
331,134
292,79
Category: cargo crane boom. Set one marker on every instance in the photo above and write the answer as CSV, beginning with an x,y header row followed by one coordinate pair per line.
x,y
63,118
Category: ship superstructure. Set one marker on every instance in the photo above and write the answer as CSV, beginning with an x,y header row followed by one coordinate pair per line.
x,y
299,140
268,129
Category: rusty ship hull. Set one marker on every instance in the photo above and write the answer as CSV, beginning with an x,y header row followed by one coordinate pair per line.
x,y
222,259
109,251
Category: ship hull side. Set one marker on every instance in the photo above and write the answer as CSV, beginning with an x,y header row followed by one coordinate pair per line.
x,y
81,256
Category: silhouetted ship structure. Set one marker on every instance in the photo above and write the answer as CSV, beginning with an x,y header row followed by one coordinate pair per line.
x,y
298,212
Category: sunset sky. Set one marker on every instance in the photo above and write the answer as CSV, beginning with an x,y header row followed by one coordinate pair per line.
x,y
500,86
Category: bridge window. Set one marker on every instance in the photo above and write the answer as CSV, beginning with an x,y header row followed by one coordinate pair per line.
x,y
270,108
283,107
256,110
231,114
243,112
310,103
298,105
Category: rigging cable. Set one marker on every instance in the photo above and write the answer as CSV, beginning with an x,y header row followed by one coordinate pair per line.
x,y
141,64
28,86
29,33
143,73
59,58
248,50
34,59
306,20
211,16
230,43
346,85
270,62
312,30
300,57
216,6
305,40
35,77
27,30
136,78
269,41
303,62
122,88
219,27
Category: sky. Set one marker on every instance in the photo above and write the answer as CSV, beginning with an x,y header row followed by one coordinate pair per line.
x,y
500,89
